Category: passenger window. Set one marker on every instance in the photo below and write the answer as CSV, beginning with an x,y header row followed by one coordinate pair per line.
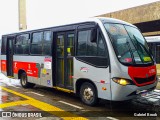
x,y
36,47
91,48
37,37
4,44
85,47
47,43
101,46
47,36
22,44
82,42
93,53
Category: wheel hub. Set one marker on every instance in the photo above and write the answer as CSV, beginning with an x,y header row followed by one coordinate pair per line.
x,y
88,94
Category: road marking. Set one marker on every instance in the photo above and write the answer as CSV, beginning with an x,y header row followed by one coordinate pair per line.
x,y
46,107
70,104
112,118
16,93
4,105
35,93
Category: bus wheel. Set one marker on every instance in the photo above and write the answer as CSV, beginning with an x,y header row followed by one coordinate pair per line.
x,y
24,81
88,94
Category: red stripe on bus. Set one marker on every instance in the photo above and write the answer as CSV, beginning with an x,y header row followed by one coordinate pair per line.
x,y
3,66
29,67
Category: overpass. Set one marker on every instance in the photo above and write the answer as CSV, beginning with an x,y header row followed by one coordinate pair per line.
x,y
145,17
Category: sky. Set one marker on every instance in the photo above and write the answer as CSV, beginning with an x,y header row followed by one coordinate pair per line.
x,y
44,13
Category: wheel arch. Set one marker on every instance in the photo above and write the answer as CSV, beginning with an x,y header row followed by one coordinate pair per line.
x,y
20,71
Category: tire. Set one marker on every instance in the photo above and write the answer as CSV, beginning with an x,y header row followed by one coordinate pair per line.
x,y
24,81
88,94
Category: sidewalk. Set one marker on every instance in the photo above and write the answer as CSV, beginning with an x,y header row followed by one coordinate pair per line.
x,y
9,81
2,76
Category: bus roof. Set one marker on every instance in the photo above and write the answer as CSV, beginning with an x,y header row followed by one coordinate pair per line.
x,y
93,19
153,39
113,20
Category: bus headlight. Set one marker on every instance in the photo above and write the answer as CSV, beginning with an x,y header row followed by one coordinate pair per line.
x,y
122,81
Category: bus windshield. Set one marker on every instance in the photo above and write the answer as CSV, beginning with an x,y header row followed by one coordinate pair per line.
x,y
129,44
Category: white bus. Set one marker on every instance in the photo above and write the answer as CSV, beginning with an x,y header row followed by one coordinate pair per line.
x,y
96,58
154,44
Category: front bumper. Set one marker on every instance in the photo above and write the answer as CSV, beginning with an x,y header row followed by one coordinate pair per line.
x,y
121,93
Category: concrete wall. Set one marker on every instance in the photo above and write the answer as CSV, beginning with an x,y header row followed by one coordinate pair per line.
x,y
144,13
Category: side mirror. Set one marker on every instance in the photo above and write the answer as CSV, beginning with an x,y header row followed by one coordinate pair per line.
x,y
94,34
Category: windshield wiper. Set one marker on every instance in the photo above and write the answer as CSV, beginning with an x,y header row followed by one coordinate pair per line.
x,y
138,47
142,46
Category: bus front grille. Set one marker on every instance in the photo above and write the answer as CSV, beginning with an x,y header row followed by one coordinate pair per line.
x,y
145,80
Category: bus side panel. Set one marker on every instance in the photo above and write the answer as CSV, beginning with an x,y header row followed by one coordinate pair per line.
x,y
3,55
99,76
30,65
3,64
0,53
35,68
46,72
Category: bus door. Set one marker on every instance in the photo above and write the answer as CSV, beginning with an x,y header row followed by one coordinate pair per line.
x,y
9,56
64,59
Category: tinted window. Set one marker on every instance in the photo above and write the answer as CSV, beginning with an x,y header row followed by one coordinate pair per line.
x,y
37,37
157,56
155,49
22,44
101,46
91,48
87,48
83,37
3,47
36,47
152,47
47,36
47,43
41,43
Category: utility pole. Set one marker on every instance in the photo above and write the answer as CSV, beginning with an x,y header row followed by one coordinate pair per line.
x,y
22,14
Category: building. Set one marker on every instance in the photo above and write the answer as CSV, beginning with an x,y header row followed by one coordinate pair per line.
x,y
145,17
